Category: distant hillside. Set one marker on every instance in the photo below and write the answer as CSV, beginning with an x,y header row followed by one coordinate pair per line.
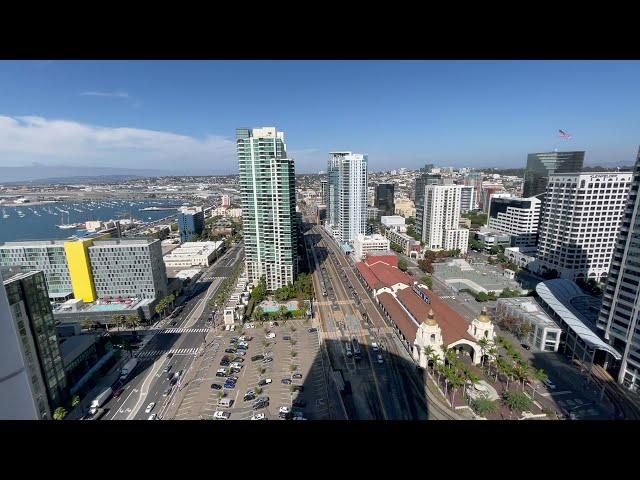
x,y
50,174
93,180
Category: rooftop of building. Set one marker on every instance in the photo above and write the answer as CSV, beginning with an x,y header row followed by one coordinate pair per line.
x,y
123,242
13,273
72,347
529,307
378,273
190,249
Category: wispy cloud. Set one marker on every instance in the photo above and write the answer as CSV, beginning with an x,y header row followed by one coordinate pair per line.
x,y
33,138
105,94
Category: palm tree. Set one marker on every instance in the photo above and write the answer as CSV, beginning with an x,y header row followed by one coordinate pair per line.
x,y
522,372
60,413
457,381
282,312
133,321
428,352
484,344
258,313
541,376
448,375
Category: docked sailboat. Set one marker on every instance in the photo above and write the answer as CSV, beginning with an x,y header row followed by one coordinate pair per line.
x,y
68,225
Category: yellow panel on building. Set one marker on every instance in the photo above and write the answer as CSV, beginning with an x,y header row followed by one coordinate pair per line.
x,y
77,252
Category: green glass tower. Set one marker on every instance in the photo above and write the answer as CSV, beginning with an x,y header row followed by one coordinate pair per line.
x,y
267,188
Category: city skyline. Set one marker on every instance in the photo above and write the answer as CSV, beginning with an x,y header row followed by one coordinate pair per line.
x,y
405,113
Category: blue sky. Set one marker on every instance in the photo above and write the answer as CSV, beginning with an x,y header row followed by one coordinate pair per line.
x,y
181,116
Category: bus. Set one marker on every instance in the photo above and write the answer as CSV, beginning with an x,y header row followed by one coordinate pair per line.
x,y
356,349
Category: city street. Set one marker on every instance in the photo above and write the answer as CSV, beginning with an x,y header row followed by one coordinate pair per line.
x,y
184,341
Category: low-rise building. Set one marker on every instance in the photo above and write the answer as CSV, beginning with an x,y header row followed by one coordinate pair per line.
x,y
491,238
193,254
545,333
409,245
395,222
521,256
364,244
405,207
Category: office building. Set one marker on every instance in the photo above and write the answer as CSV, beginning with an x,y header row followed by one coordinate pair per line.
x,y
467,199
439,228
384,198
365,244
267,187
541,165
394,222
347,201
190,254
489,191
474,179
421,182
225,201
127,269
30,348
190,223
324,191
580,222
405,207
373,213
519,217
620,311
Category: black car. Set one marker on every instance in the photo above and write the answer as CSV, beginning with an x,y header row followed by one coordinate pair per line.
x,y
249,396
297,375
313,329
216,386
230,350
220,374
224,363
255,358
286,381
525,346
169,355
286,337
267,360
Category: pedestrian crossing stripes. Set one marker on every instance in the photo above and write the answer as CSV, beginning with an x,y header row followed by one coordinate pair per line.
x,y
447,296
184,330
175,351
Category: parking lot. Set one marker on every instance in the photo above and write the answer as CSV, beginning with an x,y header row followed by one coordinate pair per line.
x,y
295,358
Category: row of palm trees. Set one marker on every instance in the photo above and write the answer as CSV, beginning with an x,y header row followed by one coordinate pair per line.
x,y
454,373
164,304
131,321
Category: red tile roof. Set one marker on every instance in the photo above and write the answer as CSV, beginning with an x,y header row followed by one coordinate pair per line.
x,y
388,259
368,275
404,322
381,274
452,324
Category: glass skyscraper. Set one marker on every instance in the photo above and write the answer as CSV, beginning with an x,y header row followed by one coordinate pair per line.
x,y
422,181
267,187
621,300
190,223
541,165
384,198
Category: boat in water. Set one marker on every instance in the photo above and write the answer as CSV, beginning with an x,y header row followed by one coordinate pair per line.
x,y
69,225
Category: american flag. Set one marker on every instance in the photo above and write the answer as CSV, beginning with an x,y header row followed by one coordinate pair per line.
x,y
564,135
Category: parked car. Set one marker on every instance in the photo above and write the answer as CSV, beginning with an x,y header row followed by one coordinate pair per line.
x,y
167,392
230,350
224,363
221,374
150,407
152,416
238,359
312,330
167,368
241,352
220,415
264,381
380,359
297,375
374,346
229,385
550,385
286,381
286,337
283,412
255,358
216,386
249,396
258,416
270,335
525,346
267,360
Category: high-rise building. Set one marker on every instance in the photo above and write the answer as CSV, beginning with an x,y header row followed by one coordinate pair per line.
x,y
128,268
519,217
324,190
621,299
489,191
225,201
467,199
48,256
347,206
541,165
421,182
474,179
30,327
384,198
440,222
267,186
579,223
190,223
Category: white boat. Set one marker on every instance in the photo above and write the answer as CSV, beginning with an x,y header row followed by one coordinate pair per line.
x,y
4,213
68,225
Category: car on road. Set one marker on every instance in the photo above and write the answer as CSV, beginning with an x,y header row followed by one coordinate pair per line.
x,y
286,337
525,346
549,384
167,392
230,350
286,381
169,355
267,360
283,412
150,407
255,358
174,323
264,381
153,416
270,335
170,377
167,369
312,330
118,392
216,386
374,346
220,415
173,381
297,375
258,416
379,359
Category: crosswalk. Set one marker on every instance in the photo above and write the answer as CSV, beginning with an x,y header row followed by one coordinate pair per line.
x,y
447,296
183,330
175,351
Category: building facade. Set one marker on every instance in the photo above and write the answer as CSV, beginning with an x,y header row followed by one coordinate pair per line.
x,y
384,198
541,165
467,199
190,223
620,310
405,208
519,217
128,268
364,244
34,330
347,205
267,186
439,228
580,223
421,182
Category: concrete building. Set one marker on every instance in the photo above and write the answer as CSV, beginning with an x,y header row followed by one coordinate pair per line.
x,y
524,257
47,256
128,268
364,244
405,208
467,199
32,330
519,217
225,201
373,213
190,223
545,334
474,179
193,254
421,182
618,318
439,228
347,201
267,186
490,191
324,191
492,238
541,165
580,223
409,245
394,222
384,198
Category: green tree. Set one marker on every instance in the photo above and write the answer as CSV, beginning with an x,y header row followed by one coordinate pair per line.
x,y
484,406
402,265
428,281
258,313
541,376
428,352
133,321
59,413
395,247
517,401
75,401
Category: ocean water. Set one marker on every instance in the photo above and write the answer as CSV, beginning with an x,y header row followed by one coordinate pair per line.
x,y
39,221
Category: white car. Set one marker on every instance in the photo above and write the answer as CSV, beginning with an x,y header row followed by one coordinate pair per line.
x,y
374,346
220,415
258,416
270,335
152,416
235,365
267,381
150,407
242,339
284,410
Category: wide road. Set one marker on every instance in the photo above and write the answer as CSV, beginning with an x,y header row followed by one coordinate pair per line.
x,y
380,391
184,340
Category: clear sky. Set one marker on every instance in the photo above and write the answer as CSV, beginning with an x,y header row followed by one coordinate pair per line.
x,y
182,115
